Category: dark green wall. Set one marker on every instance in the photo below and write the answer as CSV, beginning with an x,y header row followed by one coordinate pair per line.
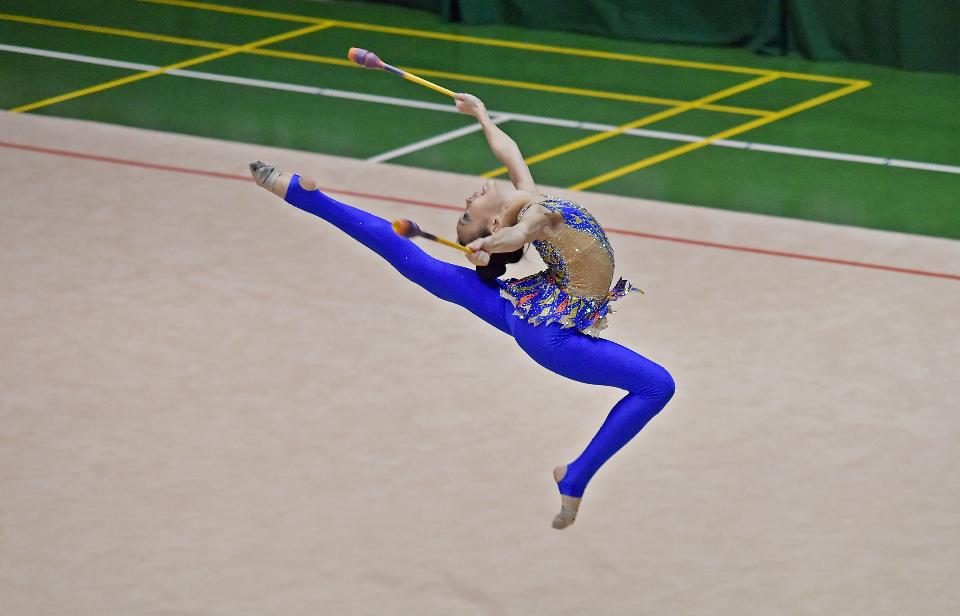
x,y
910,34
685,21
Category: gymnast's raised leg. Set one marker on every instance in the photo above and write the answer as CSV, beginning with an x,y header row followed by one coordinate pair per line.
x,y
452,283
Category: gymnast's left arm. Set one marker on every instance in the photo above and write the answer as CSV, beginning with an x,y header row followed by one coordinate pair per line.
x,y
502,146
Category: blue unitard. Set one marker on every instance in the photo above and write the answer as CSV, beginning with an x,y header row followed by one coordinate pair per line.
x,y
566,351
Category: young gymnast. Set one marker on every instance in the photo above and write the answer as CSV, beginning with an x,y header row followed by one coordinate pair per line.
x,y
554,315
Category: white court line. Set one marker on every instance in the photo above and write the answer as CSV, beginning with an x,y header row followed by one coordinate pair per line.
x,y
432,141
518,117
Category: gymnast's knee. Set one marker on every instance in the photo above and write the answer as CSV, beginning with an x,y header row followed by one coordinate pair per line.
x,y
659,384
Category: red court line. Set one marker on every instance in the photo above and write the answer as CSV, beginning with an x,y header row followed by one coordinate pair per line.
x,y
665,238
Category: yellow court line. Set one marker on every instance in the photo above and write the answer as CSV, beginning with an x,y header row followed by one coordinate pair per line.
x,y
277,53
656,117
148,36
736,130
476,40
147,74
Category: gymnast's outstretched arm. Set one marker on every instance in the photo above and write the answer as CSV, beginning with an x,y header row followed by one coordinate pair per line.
x,y
452,283
502,146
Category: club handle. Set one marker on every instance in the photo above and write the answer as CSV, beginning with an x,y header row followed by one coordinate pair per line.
x,y
424,82
452,245
440,240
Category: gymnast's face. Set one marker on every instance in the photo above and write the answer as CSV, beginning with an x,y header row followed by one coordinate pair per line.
x,y
479,216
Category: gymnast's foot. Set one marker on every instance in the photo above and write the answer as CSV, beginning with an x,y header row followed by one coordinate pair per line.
x,y
271,178
568,504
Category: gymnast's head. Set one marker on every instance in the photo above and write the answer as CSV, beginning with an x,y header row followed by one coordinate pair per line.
x,y
487,211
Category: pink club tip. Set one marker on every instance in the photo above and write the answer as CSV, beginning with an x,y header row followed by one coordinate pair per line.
x,y
364,58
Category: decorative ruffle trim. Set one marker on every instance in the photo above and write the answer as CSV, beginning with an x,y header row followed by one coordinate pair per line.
x,y
539,299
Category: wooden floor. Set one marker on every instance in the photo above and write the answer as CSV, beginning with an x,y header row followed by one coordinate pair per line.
x,y
212,403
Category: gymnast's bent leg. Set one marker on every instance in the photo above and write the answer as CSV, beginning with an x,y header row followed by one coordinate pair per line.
x,y
452,283
596,361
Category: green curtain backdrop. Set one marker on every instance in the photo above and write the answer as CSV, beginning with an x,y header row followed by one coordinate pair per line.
x,y
910,34
725,22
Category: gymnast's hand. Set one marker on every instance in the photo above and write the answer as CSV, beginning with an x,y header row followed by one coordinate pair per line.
x,y
481,252
470,105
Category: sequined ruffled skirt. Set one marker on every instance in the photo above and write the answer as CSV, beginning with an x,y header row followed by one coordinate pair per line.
x,y
539,299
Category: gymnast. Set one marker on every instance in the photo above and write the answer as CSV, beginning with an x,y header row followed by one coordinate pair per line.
x,y
554,316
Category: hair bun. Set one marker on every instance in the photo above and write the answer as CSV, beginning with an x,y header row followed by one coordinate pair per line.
x,y
491,271
497,265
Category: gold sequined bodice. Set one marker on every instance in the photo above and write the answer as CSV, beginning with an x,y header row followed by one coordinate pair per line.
x,y
579,256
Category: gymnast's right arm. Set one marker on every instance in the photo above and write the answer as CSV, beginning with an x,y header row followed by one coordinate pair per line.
x,y
502,146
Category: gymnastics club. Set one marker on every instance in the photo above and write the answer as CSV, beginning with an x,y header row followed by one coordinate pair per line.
x,y
370,60
408,228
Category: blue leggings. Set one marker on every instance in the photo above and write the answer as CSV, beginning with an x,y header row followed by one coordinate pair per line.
x,y
565,351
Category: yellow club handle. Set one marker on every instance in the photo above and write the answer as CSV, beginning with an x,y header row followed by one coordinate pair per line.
x,y
452,245
429,84
410,230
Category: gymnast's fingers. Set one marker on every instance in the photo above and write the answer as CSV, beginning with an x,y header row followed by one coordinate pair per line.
x,y
477,244
479,257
